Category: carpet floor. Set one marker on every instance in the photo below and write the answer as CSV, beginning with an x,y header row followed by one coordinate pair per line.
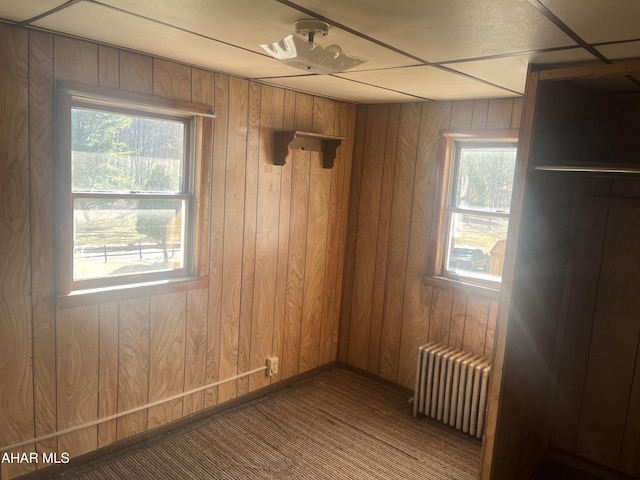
x,y
336,425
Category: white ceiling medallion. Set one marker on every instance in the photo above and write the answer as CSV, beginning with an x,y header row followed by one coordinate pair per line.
x,y
300,51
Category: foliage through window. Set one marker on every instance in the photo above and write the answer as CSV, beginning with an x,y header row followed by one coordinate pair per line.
x,y
130,193
477,206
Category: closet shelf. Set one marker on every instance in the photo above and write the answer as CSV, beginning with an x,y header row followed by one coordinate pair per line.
x,y
315,142
615,168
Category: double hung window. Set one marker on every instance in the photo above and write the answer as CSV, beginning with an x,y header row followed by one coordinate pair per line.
x,y
125,193
478,183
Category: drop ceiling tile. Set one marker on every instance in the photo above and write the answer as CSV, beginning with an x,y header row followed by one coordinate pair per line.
x,y
102,24
19,11
511,72
437,30
429,82
599,21
250,23
620,51
341,89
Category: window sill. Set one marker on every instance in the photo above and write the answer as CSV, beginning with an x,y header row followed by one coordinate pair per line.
x,y
485,291
94,296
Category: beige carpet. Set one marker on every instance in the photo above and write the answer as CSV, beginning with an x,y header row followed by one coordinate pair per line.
x,y
338,425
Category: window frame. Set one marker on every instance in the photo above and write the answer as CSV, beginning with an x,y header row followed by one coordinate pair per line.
x,y
70,95
450,142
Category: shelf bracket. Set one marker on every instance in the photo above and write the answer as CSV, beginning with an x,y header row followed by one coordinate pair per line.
x,y
314,142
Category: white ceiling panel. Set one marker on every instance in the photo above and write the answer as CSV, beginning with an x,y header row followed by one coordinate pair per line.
x,y
511,72
341,89
19,11
620,51
250,23
430,83
598,21
436,30
416,49
111,26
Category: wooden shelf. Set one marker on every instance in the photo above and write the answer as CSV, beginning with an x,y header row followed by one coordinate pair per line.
x,y
314,142
591,168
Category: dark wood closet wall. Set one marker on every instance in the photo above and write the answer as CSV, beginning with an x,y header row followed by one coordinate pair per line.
x,y
567,378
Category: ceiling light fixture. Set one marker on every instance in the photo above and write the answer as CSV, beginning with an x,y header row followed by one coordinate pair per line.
x,y
299,50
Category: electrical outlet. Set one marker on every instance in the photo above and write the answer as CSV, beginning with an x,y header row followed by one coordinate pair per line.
x,y
272,366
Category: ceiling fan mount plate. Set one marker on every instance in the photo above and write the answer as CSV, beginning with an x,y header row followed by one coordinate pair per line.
x,y
312,28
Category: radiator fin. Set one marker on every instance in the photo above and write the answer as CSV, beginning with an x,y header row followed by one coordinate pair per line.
x,y
452,387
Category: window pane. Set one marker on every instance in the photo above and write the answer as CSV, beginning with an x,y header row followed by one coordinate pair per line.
x,y
485,178
476,247
126,237
114,152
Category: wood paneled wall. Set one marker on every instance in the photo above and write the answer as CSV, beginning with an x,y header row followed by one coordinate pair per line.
x,y
596,412
388,307
274,255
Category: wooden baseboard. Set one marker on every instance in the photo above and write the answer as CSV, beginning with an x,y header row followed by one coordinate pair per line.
x,y
587,466
157,434
384,381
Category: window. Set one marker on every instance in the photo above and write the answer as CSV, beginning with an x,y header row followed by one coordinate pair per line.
x,y
478,181
125,192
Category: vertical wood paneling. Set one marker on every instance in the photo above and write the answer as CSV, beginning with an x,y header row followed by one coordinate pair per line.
x,y
221,344
108,67
272,241
171,80
332,285
136,72
284,226
297,260
347,155
249,238
16,387
167,317
355,188
614,342
75,60
479,115
461,115
77,344
382,248
195,358
435,117
300,168
458,317
319,185
108,372
324,121
573,357
133,365
42,227
315,265
491,329
404,173
367,231
499,113
203,91
475,325
267,231
414,311
440,316
516,113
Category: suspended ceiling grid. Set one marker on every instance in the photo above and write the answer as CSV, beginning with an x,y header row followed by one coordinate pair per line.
x,y
416,49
